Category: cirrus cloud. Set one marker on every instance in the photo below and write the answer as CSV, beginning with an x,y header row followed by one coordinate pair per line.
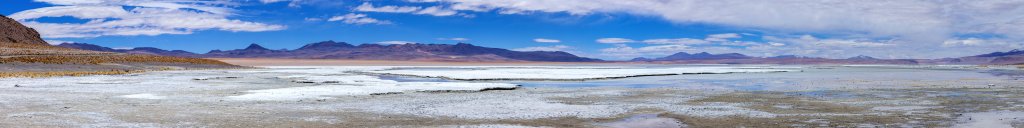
x,y
543,40
545,48
614,40
131,18
926,23
433,10
357,19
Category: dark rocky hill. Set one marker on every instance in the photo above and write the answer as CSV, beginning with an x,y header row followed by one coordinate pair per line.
x,y
13,32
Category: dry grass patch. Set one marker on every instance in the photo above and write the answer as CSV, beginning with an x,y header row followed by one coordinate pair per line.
x,y
64,73
100,59
10,49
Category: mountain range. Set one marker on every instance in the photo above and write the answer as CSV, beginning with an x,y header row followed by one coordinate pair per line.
x,y
1011,57
462,52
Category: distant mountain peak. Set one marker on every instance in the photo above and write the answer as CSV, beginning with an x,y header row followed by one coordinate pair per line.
x,y
641,59
999,54
255,46
789,57
86,46
862,57
326,45
680,53
702,56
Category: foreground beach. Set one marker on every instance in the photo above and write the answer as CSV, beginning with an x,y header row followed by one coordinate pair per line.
x,y
564,96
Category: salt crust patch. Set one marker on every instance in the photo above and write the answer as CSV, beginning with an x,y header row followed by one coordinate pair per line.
x,y
486,126
901,108
997,119
81,119
324,91
341,85
568,73
512,105
144,96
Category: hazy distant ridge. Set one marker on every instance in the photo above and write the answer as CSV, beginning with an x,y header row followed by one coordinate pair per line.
x,y
342,50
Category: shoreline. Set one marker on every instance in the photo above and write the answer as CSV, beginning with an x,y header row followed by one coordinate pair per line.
x,y
338,62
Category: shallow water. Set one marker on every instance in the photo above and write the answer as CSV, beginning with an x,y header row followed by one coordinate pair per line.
x,y
808,78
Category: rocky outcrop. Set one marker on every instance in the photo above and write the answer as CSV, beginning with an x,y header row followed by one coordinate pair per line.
x,y
14,32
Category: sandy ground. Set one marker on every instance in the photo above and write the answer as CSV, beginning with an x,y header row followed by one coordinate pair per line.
x,y
331,62
202,99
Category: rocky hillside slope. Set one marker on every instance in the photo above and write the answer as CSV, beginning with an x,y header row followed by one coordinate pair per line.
x,y
23,53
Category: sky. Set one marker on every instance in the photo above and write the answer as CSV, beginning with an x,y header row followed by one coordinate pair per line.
x,y
605,29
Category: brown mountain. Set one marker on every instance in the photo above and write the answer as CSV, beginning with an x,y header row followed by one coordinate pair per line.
x,y
1015,56
342,50
138,50
736,58
13,32
703,56
996,58
24,54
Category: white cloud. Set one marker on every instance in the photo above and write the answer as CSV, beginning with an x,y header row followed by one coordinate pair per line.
x,y
614,40
622,51
542,40
808,39
964,42
358,19
918,21
313,19
56,42
367,7
272,1
433,10
879,28
146,17
978,42
545,48
300,3
722,37
396,42
454,39
686,41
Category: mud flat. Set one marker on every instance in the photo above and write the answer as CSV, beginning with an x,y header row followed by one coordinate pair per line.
x,y
338,97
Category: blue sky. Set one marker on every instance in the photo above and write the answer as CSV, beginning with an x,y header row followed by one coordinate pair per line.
x,y
607,29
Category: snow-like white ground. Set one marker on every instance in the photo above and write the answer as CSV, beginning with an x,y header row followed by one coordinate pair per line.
x,y
557,73
144,96
265,84
338,95
996,119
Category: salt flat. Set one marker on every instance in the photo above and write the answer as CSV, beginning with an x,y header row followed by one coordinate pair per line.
x,y
364,96
567,73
